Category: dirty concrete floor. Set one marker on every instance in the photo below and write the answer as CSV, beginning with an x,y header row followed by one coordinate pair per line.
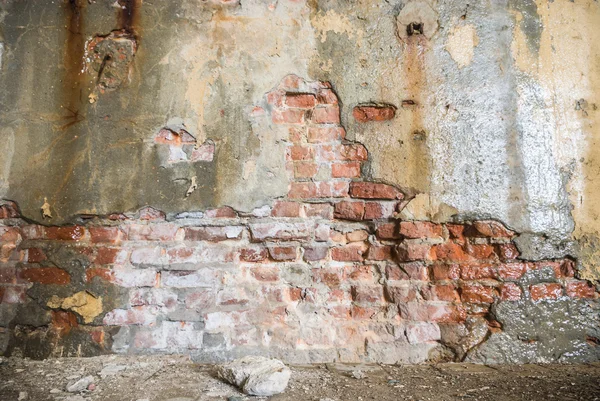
x,y
162,378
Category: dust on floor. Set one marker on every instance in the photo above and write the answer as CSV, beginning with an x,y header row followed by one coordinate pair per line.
x,y
162,378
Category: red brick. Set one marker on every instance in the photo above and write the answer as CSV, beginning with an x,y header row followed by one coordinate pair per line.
x,y
323,210
511,271
420,229
350,253
305,169
449,251
349,210
432,312
480,251
564,268
152,232
213,234
510,292
13,294
300,100
45,275
400,294
478,294
68,233
300,153
137,315
302,190
265,273
283,252
291,82
545,291
9,210
367,294
149,213
379,210
8,275
326,134
388,231
104,273
253,255
445,271
373,190
419,333
440,292
345,170
32,232
507,252
315,253
35,255
580,289
409,251
488,228
105,234
476,271
330,277
286,209
63,321
294,294
275,98
296,134
98,337
224,212
327,96
455,231
106,256
365,114
407,271
335,189
379,252
289,116
329,114
352,152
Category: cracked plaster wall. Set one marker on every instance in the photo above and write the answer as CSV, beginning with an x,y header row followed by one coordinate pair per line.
x,y
503,125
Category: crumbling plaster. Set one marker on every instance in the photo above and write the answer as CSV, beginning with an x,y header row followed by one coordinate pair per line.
x,y
503,128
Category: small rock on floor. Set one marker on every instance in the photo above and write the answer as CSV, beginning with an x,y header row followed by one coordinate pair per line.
x,y
80,385
256,375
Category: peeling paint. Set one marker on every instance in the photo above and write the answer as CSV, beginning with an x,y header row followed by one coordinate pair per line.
x,y
462,41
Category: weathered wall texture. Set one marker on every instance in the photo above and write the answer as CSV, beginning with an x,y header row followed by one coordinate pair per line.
x,y
479,122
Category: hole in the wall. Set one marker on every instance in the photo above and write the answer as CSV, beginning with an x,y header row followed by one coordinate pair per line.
x,y
415,28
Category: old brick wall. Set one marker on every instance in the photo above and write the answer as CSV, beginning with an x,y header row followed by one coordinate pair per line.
x,y
330,272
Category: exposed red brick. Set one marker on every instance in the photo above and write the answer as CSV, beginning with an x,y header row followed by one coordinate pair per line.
x,y
409,251
67,233
98,337
564,268
455,231
388,231
488,228
420,229
286,209
480,251
325,134
283,252
379,210
329,277
336,189
349,210
379,252
265,273
580,289
312,254
362,313
224,212
63,321
345,170
106,256
445,271
449,251
510,292
149,213
8,275
104,273
213,234
507,252
477,294
352,152
302,190
373,190
300,152
275,98
350,253
9,210
323,210
407,271
35,255
327,96
545,291
511,271
400,293
253,255
105,234
328,114
365,114
476,271
440,292
152,232
432,312
296,134
305,169
300,100
45,275
289,116
367,294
